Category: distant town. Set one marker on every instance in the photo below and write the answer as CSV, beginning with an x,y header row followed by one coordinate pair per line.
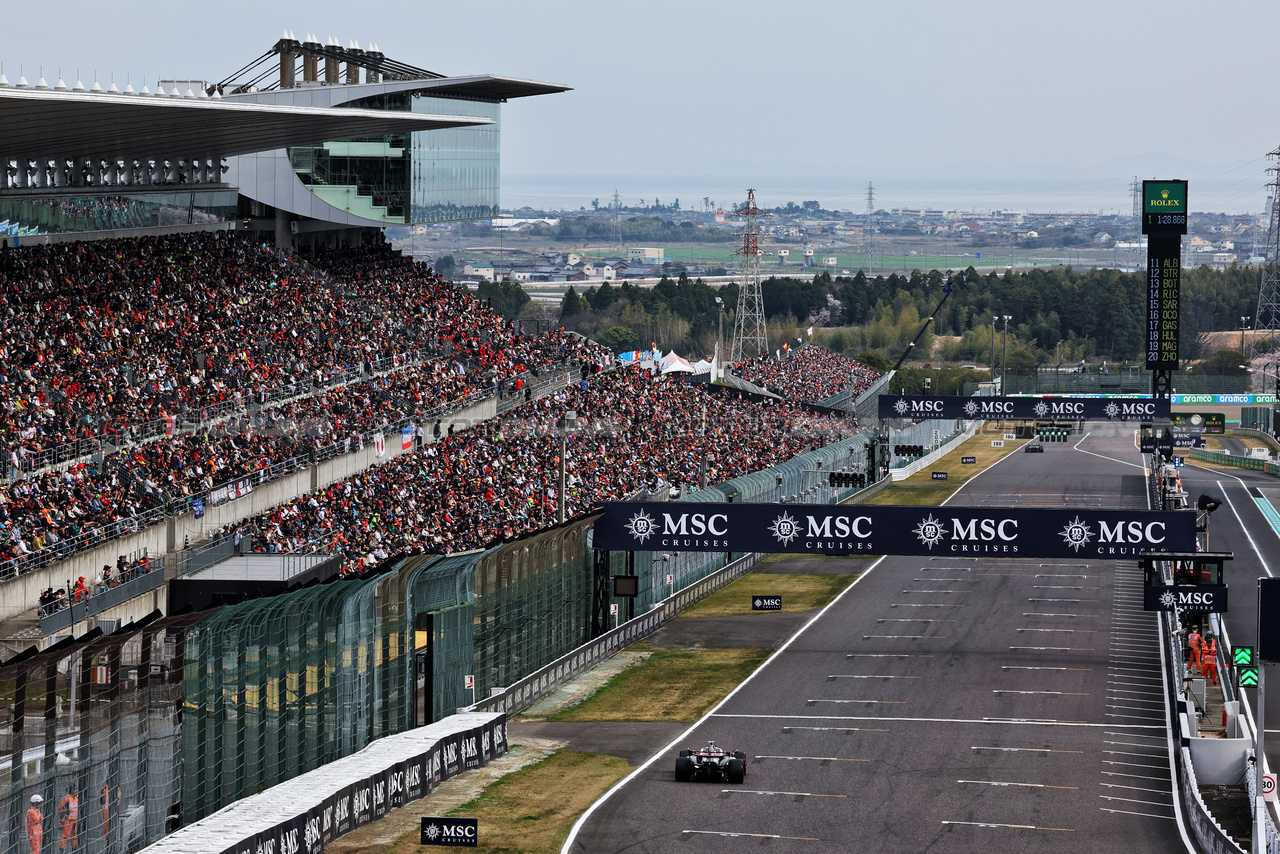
x,y
644,243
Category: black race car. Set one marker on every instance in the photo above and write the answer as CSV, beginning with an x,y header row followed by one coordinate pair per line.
x,y
1033,448
711,763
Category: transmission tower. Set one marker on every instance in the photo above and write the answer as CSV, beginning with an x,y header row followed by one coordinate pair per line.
x,y
1267,323
617,220
869,228
749,338
1135,190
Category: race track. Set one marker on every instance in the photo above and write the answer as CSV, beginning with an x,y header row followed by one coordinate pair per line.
x,y
944,705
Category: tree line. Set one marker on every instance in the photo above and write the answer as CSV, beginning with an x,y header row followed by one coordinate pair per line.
x,y
1058,314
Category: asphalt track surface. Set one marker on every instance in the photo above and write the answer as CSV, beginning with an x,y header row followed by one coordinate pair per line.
x,y
944,705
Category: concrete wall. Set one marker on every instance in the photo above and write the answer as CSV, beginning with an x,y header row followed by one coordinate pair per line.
x,y
21,594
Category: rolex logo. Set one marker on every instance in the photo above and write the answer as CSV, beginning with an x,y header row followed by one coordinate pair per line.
x,y
1164,194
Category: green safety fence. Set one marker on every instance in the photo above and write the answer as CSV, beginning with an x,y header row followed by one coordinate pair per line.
x,y
1235,461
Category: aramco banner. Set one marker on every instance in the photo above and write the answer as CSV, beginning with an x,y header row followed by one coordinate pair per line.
x,y
864,529
923,407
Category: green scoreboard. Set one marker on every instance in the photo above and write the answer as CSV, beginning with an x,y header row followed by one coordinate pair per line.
x,y
1164,221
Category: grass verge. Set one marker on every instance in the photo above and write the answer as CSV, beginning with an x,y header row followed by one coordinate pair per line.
x,y
921,490
531,810
798,592
671,685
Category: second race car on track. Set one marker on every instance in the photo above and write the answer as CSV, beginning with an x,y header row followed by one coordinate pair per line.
x,y
711,763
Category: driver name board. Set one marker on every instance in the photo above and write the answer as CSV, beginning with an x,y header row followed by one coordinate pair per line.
x,y
1164,221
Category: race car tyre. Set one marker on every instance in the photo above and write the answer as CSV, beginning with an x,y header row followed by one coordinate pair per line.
x,y
738,754
684,769
735,771
684,753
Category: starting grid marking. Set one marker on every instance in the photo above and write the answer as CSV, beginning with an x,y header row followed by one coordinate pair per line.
x,y
740,835
1024,749
1024,785
1012,826
789,794
815,759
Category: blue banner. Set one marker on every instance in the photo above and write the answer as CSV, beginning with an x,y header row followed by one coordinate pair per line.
x,y
923,407
993,532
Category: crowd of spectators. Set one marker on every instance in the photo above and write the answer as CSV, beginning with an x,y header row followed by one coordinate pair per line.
x,y
101,337
66,373
498,480
810,374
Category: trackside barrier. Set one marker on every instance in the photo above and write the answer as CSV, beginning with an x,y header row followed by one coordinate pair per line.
x,y
1273,834
1210,836
971,429
1206,830
307,813
1237,462
540,683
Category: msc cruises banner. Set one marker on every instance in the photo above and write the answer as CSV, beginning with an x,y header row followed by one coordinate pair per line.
x,y
1023,408
862,529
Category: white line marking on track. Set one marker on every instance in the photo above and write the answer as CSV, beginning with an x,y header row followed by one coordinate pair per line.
x,y
848,676
734,835
815,758
1137,735
1055,693
872,702
1056,648
899,720
1141,814
1025,785
1024,749
888,655
912,620
793,794
1067,631
1137,789
1029,667
905,637
1134,776
1135,801
788,729
1072,616
923,605
1012,826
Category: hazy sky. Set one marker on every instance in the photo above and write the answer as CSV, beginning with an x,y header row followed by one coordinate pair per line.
x,y
1061,100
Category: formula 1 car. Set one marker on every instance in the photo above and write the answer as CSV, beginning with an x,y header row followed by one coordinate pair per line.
x,y
711,763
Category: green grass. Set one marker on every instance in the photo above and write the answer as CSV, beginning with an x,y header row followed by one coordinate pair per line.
x,y
921,490
531,810
798,592
671,685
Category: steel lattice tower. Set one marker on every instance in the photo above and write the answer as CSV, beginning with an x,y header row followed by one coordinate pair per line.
x,y
1266,325
749,334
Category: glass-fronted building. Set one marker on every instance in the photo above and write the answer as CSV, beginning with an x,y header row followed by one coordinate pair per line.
x,y
441,175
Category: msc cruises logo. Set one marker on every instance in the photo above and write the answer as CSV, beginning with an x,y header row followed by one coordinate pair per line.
x,y
640,526
930,531
1042,409
902,407
784,529
971,408
1076,534
1168,599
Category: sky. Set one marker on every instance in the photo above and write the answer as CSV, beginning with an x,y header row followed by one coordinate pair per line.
x,y
975,105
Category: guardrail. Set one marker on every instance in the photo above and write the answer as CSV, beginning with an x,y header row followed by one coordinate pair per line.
x,y
1235,461
61,620
532,688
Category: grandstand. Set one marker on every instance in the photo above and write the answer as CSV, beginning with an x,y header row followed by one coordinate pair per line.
x,y
353,466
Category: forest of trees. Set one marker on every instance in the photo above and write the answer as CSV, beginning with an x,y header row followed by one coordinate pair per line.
x,y
1058,314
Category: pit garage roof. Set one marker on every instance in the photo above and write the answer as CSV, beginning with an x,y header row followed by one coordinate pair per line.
x,y
50,123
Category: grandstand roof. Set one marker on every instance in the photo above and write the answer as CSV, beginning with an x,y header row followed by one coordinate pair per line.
x,y
50,123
